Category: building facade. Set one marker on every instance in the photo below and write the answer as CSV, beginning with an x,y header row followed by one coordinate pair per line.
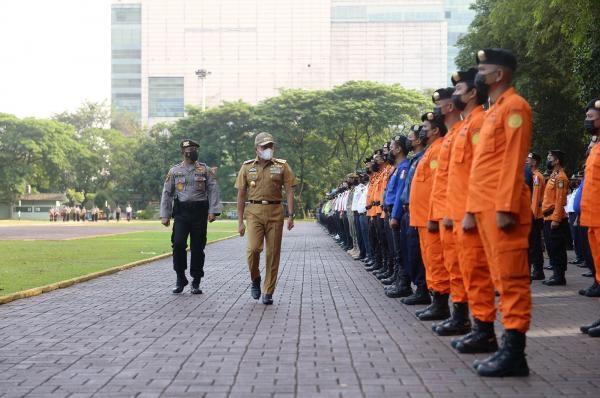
x,y
167,54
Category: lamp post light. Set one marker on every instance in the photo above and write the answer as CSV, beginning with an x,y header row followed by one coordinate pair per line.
x,y
202,75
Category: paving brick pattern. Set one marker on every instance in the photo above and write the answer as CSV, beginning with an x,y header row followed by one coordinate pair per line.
x,y
330,333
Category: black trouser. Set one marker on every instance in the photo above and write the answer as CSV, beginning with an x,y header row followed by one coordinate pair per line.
x,y
414,261
536,251
556,246
585,248
382,239
576,234
398,244
190,220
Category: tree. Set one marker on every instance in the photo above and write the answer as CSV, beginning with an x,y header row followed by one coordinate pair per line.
x,y
557,57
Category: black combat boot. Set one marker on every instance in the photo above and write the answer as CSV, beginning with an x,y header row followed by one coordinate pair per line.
x,y
459,323
180,284
592,291
400,289
509,360
392,279
557,278
420,296
586,328
438,310
196,286
481,339
537,273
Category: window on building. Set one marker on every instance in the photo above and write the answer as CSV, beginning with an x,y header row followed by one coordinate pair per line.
x,y
165,97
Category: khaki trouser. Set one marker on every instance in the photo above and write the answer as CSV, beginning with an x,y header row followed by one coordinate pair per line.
x,y
265,224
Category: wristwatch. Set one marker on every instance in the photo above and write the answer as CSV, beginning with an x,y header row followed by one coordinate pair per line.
x,y
292,215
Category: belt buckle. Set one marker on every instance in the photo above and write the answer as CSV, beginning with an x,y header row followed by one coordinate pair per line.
x,y
264,202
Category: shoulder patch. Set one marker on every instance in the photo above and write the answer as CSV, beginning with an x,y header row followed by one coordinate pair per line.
x,y
515,121
168,177
561,184
248,161
433,164
475,138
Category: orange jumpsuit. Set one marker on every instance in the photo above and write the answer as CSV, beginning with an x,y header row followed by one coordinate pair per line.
x,y
438,210
590,211
497,184
436,275
555,196
471,256
372,193
537,194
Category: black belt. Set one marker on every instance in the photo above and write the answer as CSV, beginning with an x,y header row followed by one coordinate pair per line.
x,y
265,202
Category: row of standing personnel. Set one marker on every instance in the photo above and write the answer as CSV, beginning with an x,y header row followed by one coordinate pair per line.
x,y
454,220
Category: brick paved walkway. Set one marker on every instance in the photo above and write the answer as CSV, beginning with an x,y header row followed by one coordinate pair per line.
x,y
330,333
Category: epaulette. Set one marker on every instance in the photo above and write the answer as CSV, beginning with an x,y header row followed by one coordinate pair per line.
x,y
279,160
249,161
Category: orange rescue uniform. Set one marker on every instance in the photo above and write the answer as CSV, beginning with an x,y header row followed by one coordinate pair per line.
x,y
537,194
471,256
590,211
497,184
438,210
436,275
555,196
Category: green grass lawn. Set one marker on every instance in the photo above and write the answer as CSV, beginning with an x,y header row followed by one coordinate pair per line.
x,y
28,264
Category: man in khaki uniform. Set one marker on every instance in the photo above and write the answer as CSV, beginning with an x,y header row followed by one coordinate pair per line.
x,y
260,181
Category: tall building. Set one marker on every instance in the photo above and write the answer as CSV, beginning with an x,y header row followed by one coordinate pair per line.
x,y
170,53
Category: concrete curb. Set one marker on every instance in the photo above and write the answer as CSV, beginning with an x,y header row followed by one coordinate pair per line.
x,y
62,284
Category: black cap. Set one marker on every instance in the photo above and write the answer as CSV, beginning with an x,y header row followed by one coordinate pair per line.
x,y
442,93
435,119
535,156
497,56
464,76
560,155
593,104
186,143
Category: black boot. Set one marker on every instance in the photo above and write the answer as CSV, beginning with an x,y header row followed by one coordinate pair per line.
x,y
509,360
586,328
537,273
196,286
255,289
401,288
420,296
180,284
592,291
481,339
459,323
557,278
438,310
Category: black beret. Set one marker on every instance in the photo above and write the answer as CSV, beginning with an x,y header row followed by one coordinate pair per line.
x,y
496,56
557,153
464,76
535,156
442,93
188,143
415,128
435,119
593,104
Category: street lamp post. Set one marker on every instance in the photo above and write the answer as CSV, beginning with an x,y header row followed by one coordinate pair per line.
x,y
202,75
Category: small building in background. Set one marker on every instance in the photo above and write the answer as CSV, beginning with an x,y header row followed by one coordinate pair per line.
x,y
36,206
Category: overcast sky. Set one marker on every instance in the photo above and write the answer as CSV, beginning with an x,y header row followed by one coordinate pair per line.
x,y
54,55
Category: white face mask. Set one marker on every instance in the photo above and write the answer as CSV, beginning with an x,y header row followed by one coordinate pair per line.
x,y
266,154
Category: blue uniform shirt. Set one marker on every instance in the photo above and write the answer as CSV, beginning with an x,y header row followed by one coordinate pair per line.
x,y
404,196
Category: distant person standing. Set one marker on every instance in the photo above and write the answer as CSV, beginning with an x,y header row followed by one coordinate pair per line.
x,y
118,213
260,181
191,196
128,211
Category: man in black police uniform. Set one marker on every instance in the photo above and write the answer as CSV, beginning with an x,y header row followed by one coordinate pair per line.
x,y
192,186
